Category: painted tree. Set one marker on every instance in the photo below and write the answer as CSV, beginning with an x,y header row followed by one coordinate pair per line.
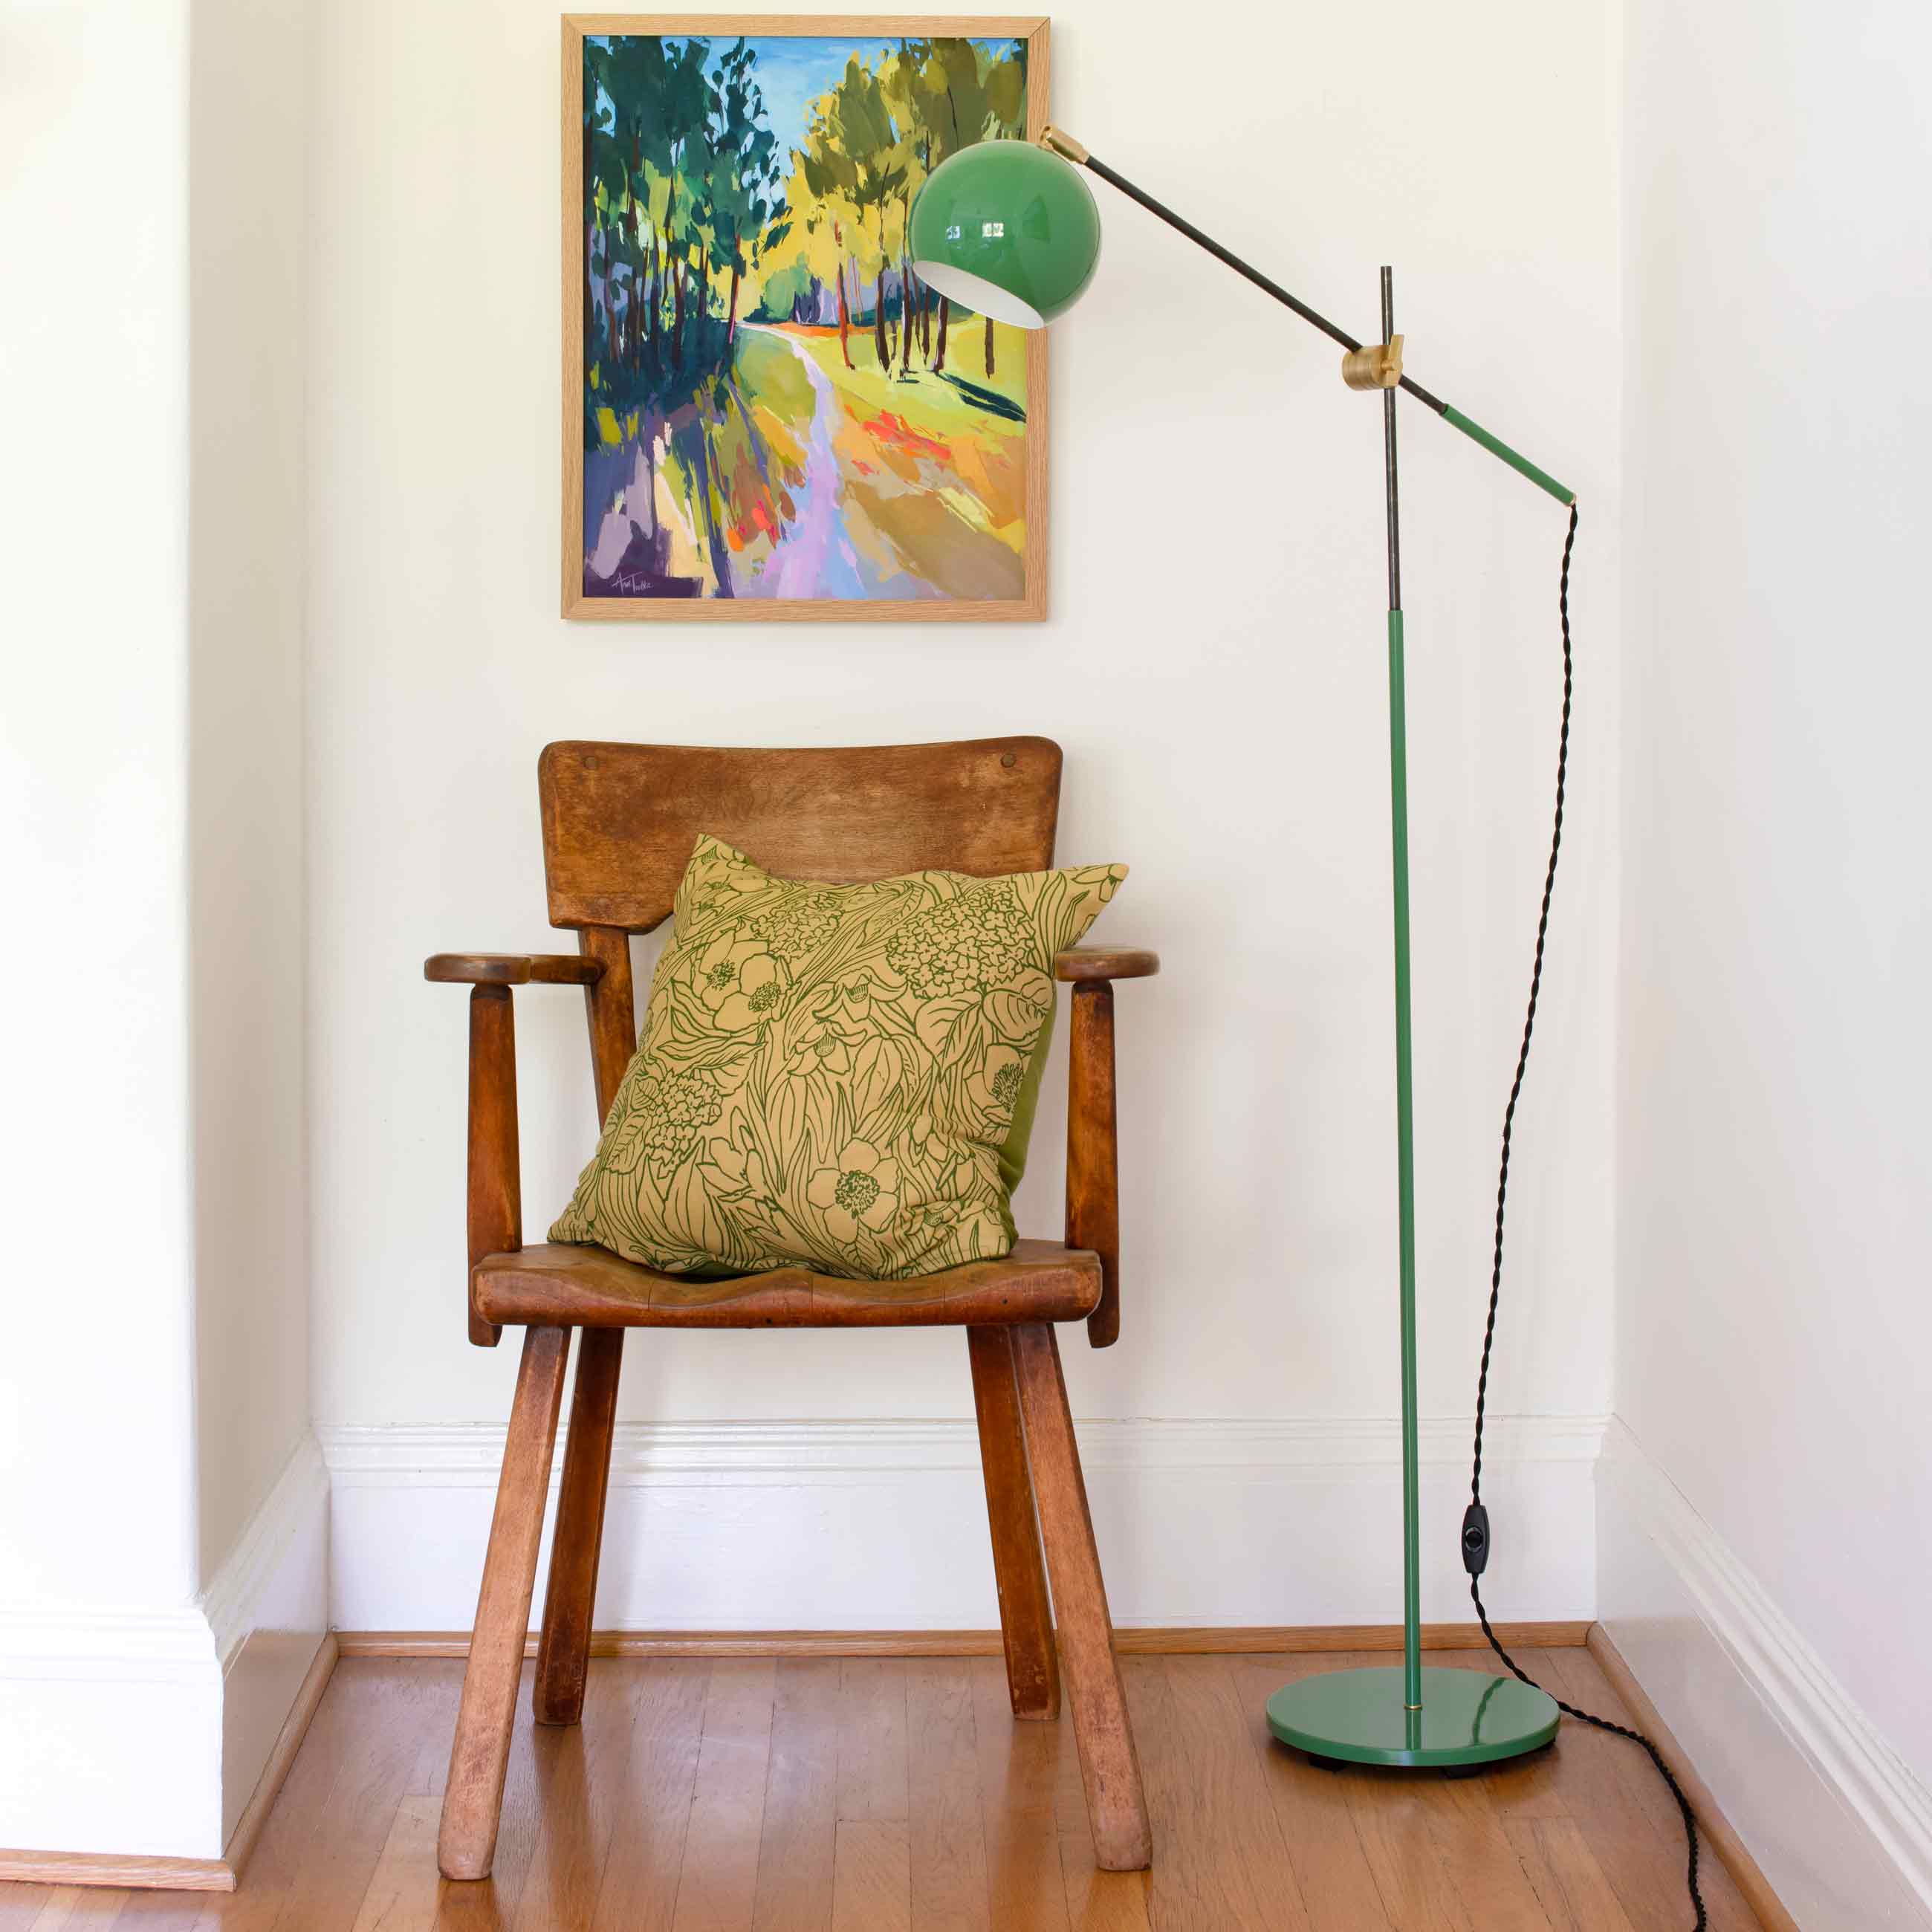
x,y
684,110
633,78
825,220
597,119
901,82
944,95
680,186
744,174
850,157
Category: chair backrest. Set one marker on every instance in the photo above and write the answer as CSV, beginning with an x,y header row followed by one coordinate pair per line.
x,y
619,821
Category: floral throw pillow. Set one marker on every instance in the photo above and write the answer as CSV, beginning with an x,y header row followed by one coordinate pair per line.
x,y
839,1076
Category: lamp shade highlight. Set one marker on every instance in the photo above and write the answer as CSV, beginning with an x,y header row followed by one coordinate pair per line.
x,y
1009,229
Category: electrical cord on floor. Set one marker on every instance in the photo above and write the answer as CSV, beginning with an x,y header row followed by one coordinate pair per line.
x,y
1476,1520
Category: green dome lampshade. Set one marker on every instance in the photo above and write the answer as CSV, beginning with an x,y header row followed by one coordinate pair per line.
x,y
1009,229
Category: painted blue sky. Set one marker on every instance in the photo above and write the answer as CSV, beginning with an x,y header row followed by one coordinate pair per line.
x,y
794,71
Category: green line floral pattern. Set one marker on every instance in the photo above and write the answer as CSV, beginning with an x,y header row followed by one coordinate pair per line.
x,y
838,1076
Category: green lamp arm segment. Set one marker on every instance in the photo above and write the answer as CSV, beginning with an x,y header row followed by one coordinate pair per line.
x,y
1071,150
1496,445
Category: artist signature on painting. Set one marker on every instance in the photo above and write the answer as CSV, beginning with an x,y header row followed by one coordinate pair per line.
x,y
642,584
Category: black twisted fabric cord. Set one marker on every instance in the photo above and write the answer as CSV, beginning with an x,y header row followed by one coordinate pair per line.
x,y
1481,1546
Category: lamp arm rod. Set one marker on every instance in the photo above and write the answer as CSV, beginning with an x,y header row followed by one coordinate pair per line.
x,y
1072,150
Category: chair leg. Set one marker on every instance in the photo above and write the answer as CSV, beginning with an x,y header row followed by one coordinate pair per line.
x,y
1026,1620
563,1652
1109,1766
467,1842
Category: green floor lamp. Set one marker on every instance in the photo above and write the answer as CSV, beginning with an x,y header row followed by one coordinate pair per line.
x,y
1011,230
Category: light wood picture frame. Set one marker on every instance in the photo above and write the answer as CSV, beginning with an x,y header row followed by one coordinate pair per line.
x,y
766,416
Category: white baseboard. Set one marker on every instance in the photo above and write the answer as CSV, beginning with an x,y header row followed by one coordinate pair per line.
x,y
141,1732
856,1526
1837,1823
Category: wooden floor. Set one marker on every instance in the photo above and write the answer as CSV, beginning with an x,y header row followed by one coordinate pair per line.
x,y
898,1795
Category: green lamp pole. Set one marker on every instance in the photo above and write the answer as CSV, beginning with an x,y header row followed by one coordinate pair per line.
x,y
1011,230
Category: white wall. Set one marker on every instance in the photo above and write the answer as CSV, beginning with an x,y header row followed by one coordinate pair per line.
x,y
1214,666
95,813
248,231
93,521
1773,1323
153,1388
260,1481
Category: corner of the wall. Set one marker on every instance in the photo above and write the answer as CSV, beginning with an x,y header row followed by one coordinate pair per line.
x,y
1839,1826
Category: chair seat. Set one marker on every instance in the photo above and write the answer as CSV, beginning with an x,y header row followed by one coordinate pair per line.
x,y
553,1284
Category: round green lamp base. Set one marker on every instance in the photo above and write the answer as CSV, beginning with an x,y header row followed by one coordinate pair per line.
x,y
1466,1717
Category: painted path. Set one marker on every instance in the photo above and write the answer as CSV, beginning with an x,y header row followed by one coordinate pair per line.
x,y
816,558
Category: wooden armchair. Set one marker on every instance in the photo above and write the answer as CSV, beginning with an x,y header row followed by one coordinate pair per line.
x,y
618,824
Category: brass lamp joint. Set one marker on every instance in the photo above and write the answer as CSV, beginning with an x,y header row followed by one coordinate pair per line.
x,y
1375,365
1063,145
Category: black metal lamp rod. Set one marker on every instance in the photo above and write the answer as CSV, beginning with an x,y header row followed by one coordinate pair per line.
x,y
1247,271
1071,150
1388,446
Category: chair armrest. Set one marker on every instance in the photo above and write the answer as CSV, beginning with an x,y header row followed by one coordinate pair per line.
x,y
494,1205
512,969
1082,965
603,969
1092,1180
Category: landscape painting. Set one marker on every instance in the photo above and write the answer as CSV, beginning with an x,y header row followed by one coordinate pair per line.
x,y
766,412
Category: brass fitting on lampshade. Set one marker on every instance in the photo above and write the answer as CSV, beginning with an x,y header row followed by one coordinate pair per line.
x,y
1375,365
1064,146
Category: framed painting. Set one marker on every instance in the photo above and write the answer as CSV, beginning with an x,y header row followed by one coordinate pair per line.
x,y
765,413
